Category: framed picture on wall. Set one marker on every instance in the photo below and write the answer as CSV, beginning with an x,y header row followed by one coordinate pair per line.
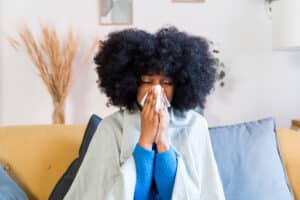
x,y
116,12
192,1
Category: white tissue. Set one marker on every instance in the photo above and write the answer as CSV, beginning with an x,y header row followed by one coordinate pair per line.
x,y
161,98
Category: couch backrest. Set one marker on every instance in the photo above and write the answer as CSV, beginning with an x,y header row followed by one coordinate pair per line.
x,y
37,156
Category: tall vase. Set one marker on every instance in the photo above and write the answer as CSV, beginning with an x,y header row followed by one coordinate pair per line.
x,y
58,116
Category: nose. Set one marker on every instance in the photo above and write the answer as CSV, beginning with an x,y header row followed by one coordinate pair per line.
x,y
156,82
161,87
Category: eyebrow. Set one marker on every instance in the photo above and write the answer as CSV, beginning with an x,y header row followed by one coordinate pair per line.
x,y
149,77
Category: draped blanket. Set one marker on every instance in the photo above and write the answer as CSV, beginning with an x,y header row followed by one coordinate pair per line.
x,y
108,168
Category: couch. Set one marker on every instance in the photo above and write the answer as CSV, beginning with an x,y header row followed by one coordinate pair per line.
x,y
36,156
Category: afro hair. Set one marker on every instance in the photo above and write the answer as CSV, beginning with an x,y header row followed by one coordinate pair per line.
x,y
128,54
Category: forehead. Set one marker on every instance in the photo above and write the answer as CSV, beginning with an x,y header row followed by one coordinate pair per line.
x,y
155,76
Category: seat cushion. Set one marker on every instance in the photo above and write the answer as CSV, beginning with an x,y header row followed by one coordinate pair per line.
x,y
249,162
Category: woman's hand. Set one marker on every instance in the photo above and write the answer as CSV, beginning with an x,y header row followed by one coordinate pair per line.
x,y
162,139
149,122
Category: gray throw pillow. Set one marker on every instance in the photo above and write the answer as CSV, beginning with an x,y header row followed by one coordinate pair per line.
x,y
249,161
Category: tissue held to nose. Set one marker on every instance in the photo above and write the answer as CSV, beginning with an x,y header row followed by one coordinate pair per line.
x,y
161,97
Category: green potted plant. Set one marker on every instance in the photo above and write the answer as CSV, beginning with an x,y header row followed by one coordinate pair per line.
x,y
220,66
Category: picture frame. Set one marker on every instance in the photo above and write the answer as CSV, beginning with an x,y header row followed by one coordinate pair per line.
x,y
116,12
188,1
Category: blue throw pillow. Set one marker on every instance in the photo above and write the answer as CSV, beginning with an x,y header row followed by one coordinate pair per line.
x,y
9,190
249,162
62,186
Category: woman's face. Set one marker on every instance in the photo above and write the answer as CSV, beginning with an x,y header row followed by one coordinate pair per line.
x,y
148,81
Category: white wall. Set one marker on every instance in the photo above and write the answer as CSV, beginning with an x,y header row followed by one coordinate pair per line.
x,y
1,64
259,83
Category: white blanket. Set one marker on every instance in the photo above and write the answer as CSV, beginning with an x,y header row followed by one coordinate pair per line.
x,y
108,169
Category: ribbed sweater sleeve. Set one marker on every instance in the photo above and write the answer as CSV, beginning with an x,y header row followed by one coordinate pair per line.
x,y
144,159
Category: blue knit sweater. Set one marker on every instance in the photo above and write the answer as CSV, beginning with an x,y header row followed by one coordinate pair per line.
x,y
155,173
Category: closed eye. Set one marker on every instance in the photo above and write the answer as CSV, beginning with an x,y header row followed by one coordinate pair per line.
x,y
168,83
164,83
146,82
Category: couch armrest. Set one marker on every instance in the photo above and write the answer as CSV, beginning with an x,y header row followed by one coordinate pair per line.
x,y
289,144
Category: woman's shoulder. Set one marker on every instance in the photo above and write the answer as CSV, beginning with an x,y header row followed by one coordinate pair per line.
x,y
112,121
199,117
114,117
187,118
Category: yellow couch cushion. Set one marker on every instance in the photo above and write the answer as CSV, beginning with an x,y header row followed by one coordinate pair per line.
x,y
37,156
289,143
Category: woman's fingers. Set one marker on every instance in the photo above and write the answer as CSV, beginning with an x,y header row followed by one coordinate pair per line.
x,y
149,108
157,138
146,107
155,124
160,125
152,102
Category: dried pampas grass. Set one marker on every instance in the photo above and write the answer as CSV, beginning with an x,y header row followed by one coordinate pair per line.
x,y
53,58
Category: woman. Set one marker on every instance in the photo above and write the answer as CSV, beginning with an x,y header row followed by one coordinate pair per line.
x,y
148,150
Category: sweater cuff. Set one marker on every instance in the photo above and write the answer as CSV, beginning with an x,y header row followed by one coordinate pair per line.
x,y
141,152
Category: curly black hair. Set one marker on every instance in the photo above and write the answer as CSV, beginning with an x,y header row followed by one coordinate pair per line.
x,y
127,54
